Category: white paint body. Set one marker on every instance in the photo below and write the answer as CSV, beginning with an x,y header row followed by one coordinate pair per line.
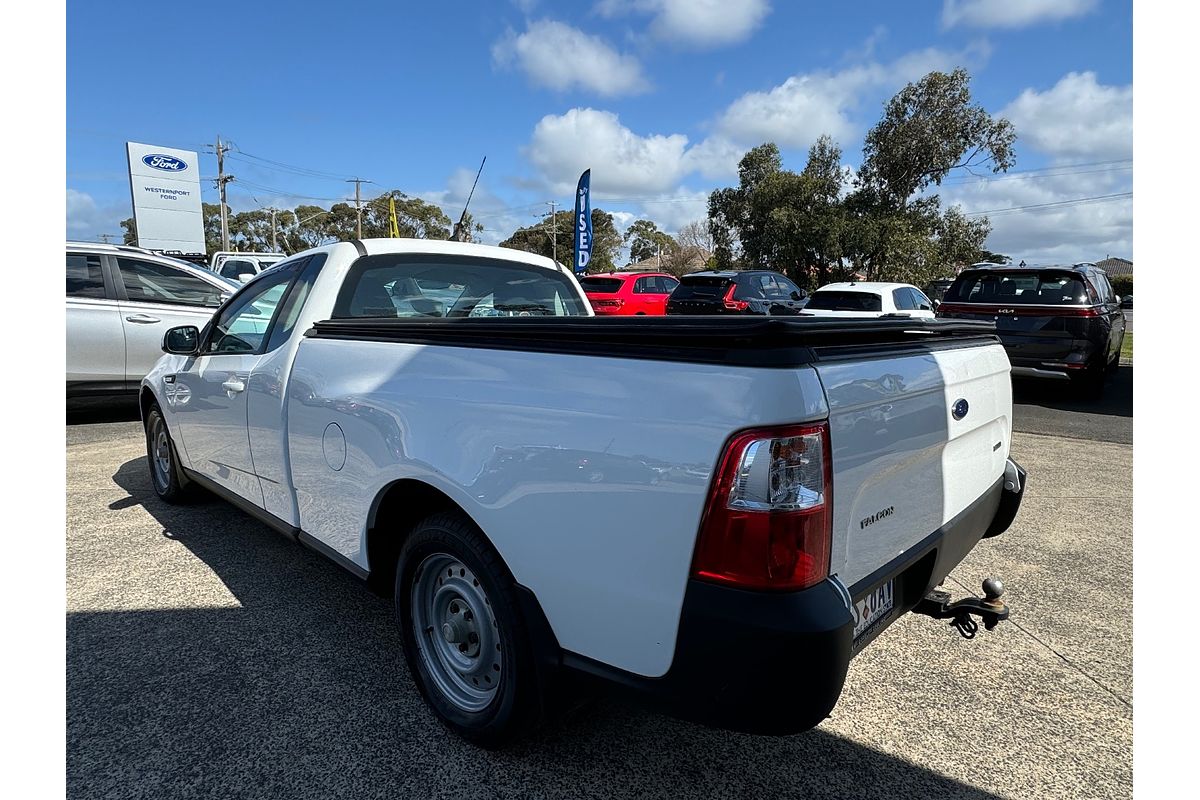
x,y
884,291
590,474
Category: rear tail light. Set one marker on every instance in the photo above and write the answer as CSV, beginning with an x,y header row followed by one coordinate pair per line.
x,y
769,519
734,305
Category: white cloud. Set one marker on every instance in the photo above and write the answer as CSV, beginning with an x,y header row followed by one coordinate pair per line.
x,y
1011,13
1053,234
87,219
802,108
622,162
1076,119
695,23
540,52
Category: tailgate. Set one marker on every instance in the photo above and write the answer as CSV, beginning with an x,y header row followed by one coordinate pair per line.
x,y
903,464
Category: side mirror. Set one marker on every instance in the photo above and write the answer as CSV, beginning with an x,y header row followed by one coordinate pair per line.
x,y
797,296
182,341
245,276
1119,298
936,303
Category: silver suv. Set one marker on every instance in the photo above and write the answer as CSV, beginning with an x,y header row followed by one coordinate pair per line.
x,y
120,302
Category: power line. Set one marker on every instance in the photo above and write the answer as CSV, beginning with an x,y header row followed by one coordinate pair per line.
x,y
1059,203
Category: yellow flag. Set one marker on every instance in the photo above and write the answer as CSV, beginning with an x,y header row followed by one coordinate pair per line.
x,y
395,224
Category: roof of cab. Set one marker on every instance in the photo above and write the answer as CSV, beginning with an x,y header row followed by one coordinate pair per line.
x,y
375,247
864,286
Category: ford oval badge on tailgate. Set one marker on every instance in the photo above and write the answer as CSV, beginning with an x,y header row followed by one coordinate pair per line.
x,y
961,407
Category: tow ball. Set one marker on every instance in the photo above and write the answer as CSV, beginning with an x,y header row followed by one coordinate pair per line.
x,y
990,609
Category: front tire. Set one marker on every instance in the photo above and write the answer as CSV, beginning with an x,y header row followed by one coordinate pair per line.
x,y
162,459
465,640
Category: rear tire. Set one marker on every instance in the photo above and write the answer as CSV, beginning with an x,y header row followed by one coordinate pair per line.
x,y
163,459
1090,385
465,640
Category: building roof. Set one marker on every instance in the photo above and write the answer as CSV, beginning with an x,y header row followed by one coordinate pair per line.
x,y
696,259
1116,266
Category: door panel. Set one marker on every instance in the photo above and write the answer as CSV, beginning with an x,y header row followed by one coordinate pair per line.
x,y
213,421
157,297
95,341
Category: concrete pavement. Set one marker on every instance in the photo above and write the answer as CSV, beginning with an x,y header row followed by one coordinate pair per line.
x,y
209,657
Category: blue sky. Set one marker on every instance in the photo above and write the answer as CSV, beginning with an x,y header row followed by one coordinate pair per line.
x,y
658,97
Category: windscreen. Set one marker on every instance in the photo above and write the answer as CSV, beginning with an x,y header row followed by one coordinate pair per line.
x,y
402,285
600,285
837,300
700,286
1019,288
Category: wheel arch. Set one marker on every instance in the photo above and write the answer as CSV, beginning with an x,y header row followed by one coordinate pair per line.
x,y
396,509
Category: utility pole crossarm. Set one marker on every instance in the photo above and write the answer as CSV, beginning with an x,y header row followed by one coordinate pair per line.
x,y
358,182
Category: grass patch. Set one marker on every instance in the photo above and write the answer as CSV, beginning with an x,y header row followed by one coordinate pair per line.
x,y
1127,347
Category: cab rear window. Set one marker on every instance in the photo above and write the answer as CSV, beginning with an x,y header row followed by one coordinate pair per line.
x,y
1019,288
410,285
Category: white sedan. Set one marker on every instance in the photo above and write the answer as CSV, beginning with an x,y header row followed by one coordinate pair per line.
x,y
868,299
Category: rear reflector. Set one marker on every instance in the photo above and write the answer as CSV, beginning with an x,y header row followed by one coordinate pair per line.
x,y
769,518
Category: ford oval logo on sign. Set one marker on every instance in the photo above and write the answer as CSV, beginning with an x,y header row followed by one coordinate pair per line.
x,y
961,407
164,162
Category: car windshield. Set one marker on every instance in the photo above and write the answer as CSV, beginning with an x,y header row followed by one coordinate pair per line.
x,y
837,300
601,285
1018,288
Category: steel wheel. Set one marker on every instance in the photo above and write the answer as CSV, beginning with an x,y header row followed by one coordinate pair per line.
x,y
456,632
160,454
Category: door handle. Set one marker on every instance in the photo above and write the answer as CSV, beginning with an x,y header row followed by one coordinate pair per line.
x,y
233,386
142,319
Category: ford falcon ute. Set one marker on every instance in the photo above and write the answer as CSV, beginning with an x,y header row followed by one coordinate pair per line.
x,y
717,514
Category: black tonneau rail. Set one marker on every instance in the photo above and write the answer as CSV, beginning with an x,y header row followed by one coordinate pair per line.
x,y
737,341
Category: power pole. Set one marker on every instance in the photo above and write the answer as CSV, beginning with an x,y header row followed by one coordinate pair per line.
x,y
358,182
223,179
106,237
274,248
553,230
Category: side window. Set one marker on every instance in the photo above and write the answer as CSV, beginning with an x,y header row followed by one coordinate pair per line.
x,y
669,284
242,326
644,286
921,301
293,302
85,277
787,287
1106,290
749,288
903,300
237,266
149,282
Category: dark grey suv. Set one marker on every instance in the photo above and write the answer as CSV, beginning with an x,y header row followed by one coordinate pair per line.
x,y
1062,323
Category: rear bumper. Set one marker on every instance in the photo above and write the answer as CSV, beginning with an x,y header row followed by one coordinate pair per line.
x,y
775,663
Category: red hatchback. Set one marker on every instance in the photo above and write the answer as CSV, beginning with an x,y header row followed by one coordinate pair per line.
x,y
629,293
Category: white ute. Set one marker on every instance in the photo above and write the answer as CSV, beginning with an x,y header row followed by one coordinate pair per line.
x,y
717,513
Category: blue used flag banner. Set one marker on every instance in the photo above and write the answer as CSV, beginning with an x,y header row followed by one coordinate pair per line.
x,y
583,222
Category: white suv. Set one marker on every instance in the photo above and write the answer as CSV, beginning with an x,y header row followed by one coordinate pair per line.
x,y
869,299
242,267
120,302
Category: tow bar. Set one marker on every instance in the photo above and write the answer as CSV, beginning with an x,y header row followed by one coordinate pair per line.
x,y
937,604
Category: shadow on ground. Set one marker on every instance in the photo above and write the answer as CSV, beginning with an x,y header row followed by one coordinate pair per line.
x,y
1117,400
92,410
300,690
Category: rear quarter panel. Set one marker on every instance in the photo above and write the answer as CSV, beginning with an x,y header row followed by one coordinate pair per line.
x,y
589,475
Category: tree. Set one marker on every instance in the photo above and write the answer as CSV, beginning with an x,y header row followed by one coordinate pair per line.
x,y
537,238
928,129
130,231
645,240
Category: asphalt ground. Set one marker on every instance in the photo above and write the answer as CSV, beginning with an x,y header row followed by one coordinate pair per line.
x,y
1051,408
209,657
